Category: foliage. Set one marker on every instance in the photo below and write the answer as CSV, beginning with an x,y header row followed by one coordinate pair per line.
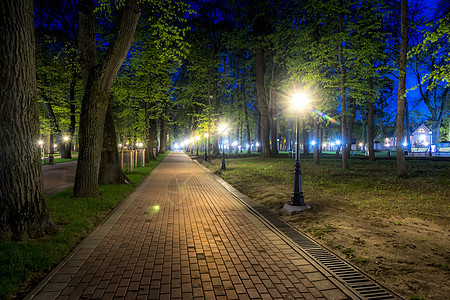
x,y
154,58
436,44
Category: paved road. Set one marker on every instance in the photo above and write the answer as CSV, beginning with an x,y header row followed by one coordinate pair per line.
x,y
58,177
181,235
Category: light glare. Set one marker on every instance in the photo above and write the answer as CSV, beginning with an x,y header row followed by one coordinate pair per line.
x,y
300,100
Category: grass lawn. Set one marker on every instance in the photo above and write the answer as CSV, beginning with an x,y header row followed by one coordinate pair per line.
x,y
22,264
397,230
58,158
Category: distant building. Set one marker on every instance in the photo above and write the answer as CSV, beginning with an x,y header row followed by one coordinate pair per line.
x,y
422,137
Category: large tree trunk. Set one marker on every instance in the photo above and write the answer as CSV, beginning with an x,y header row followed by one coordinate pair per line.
x,y
152,142
399,128
163,133
305,136
244,99
370,125
98,79
67,145
262,103
343,74
151,133
110,165
23,212
216,150
273,112
351,123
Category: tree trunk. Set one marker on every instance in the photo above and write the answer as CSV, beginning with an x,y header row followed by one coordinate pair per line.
x,y
273,112
321,138
151,133
216,149
152,142
98,79
67,145
350,127
23,212
262,103
163,134
370,125
110,165
343,73
305,137
257,117
399,128
247,125
317,143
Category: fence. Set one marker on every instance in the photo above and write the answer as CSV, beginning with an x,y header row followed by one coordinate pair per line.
x,y
132,159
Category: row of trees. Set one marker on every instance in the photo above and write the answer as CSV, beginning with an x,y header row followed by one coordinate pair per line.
x,y
345,54
110,72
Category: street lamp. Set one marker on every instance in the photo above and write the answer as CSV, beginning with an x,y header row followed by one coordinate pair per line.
x,y
297,202
223,130
206,146
41,144
197,138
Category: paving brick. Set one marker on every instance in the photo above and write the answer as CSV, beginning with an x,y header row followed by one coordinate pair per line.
x,y
200,243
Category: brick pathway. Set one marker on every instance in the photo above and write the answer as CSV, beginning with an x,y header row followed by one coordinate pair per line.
x,y
181,235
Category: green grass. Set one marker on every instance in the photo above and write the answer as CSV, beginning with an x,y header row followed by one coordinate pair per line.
x,y
22,263
58,160
365,186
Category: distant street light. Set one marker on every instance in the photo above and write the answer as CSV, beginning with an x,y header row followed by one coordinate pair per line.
x,y
41,144
297,202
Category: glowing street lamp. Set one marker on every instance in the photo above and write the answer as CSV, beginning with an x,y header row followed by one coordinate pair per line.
x,y
41,144
297,202
223,129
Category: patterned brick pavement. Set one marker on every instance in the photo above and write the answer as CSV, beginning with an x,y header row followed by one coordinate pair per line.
x,y
181,235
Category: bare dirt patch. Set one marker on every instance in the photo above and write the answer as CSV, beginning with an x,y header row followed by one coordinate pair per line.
x,y
396,230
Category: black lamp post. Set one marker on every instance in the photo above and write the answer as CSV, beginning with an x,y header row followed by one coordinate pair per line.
x,y
297,202
297,193
206,146
223,157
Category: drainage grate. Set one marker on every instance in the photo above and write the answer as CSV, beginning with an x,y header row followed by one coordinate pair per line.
x,y
364,286
359,282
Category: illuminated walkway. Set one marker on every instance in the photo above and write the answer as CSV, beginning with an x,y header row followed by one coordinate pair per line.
x,y
182,235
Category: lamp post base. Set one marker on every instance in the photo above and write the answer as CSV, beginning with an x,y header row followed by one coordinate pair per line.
x,y
290,209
